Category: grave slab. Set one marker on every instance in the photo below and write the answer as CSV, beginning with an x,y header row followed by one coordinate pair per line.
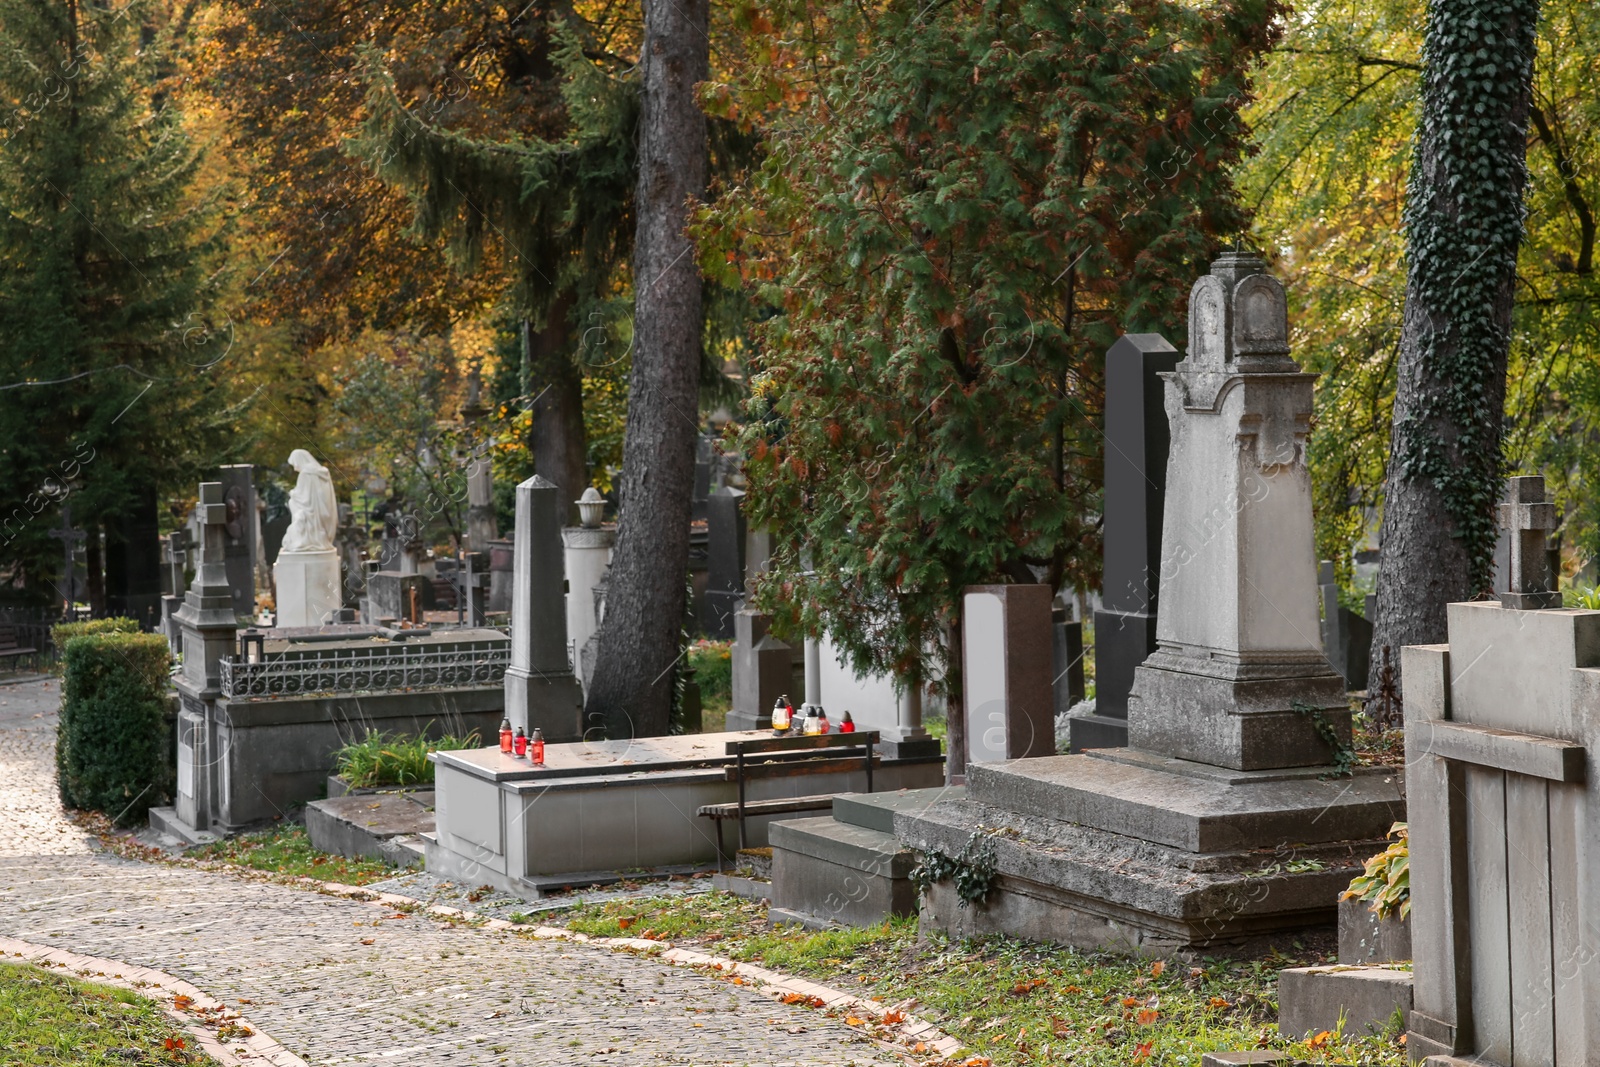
x,y
371,825
1314,999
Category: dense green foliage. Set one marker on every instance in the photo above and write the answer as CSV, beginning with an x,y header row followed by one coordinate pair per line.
x,y
108,263
113,747
63,632
969,203
394,759
47,1019
1334,123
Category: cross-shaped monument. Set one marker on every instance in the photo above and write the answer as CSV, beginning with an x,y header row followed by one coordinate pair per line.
x,y
69,538
1530,517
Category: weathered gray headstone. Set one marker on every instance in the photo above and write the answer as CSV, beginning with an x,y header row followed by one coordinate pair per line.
x,y
541,689
480,505
763,670
725,547
1007,668
1504,809
588,554
1136,443
1346,636
209,623
502,575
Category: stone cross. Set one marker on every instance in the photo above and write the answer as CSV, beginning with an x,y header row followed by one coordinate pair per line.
x,y
1529,517
69,538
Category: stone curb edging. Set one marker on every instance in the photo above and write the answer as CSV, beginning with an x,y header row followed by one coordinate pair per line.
x,y
909,1029
252,1051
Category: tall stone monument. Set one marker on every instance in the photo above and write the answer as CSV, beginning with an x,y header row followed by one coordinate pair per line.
x,y
541,690
208,623
1502,725
1136,446
1229,815
725,553
480,505
588,553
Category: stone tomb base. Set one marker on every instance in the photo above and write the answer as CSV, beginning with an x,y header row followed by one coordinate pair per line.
x,y
847,868
600,807
1128,850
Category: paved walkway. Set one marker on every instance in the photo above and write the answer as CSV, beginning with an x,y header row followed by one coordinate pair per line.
x,y
340,982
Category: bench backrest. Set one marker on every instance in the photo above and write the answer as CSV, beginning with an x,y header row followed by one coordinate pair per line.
x,y
802,743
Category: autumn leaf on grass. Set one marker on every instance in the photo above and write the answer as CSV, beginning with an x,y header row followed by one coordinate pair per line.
x,y
1157,967
894,1018
183,1002
623,924
1322,1040
1130,1002
174,1043
1218,1002
1071,989
1147,1017
817,1002
1142,1051
1059,1026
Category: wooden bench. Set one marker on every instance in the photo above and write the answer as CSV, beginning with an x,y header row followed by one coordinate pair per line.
x,y
788,757
11,648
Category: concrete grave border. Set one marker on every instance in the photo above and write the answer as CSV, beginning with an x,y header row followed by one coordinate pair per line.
x,y
258,1048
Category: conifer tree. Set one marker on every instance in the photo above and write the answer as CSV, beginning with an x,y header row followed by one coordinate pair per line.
x,y
107,256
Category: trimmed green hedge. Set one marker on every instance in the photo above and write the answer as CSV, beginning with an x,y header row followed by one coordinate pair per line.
x,y
62,632
111,743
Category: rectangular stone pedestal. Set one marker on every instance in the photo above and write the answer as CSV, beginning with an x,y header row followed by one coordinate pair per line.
x,y
552,703
1128,850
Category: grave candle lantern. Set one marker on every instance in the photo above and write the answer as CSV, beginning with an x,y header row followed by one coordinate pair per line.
x,y
537,747
519,744
847,726
782,714
505,736
252,646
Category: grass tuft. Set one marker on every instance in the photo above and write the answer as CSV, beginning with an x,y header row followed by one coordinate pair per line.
x,y
287,850
394,759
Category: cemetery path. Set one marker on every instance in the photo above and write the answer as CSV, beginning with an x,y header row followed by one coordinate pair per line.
x,y
338,981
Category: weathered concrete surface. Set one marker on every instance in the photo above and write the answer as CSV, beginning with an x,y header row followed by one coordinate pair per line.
x,y
372,825
1364,938
1314,999
833,872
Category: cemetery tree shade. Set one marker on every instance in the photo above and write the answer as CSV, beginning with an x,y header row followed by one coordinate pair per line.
x,y
109,261
634,675
956,219
1464,224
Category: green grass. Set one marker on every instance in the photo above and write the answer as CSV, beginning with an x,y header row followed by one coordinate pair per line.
x,y
1015,1002
394,759
287,850
49,1019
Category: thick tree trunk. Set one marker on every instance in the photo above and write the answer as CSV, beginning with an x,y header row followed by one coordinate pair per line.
x,y
557,439
639,640
1463,229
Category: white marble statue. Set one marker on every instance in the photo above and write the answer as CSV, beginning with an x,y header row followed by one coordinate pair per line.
x,y
313,507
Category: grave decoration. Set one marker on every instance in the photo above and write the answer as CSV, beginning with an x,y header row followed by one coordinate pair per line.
x,y
1233,812
1504,826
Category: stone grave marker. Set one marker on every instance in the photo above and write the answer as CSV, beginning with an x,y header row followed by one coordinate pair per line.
x,y
481,528
1007,670
1346,636
1136,445
239,497
763,671
587,548
725,566
541,689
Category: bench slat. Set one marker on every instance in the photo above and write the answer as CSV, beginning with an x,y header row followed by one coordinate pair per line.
x,y
776,806
802,742
797,768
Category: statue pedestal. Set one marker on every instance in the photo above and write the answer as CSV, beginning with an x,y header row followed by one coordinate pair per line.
x,y
308,587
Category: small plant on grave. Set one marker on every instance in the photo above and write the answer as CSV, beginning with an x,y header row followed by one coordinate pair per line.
x,y
394,759
1386,882
972,871
1344,753
1586,597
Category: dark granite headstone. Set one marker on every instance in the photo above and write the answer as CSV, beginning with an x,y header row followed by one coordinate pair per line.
x,y
239,551
1067,659
1346,636
725,537
133,564
1137,440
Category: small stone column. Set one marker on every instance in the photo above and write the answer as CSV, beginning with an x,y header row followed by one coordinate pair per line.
x,y
587,554
480,505
541,690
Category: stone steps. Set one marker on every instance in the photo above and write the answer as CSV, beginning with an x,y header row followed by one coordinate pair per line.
x,y
381,826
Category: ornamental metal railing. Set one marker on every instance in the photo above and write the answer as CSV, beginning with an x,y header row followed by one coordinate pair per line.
x,y
396,668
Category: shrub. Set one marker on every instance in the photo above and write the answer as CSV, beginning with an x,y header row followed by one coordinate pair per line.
x,y
713,669
62,632
111,744
1386,882
394,759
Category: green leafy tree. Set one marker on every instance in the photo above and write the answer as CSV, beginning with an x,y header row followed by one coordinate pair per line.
x,y
107,259
956,218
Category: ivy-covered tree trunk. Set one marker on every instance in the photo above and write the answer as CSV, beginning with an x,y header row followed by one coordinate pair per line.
x,y
556,437
634,673
1464,223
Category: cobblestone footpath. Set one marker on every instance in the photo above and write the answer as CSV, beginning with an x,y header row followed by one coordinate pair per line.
x,y
339,982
